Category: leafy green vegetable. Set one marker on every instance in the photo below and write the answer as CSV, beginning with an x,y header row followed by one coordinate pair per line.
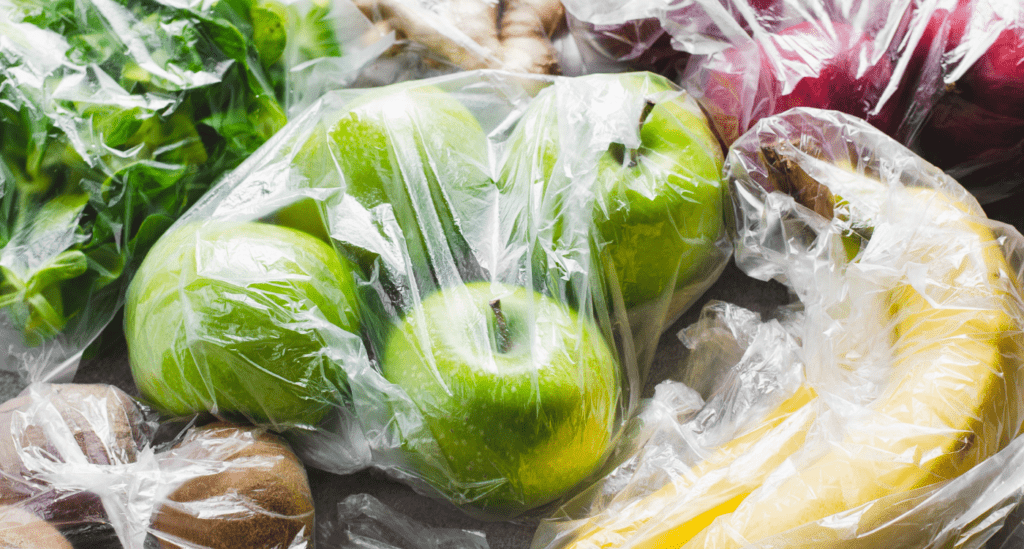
x,y
115,117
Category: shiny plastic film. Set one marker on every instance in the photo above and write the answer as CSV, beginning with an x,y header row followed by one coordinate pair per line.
x,y
904,427
941,76
363,522
459,281
688,458
435,37
86,465
117,116
55,439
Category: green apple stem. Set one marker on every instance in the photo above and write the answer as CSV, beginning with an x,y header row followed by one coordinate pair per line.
x,y
504,337
619,151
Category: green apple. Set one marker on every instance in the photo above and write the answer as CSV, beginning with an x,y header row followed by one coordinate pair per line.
x,y
657,204
519,394
409,157
246,320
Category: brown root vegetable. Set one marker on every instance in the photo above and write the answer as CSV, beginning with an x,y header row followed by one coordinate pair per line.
x,y
525,28
20,529
233,487
512,35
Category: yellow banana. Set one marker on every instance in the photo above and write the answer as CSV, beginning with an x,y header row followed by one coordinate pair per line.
x,y
957,350
716,485
956,347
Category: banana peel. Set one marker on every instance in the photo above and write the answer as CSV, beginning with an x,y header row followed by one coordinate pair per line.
x,y
716,485
957,347
956,343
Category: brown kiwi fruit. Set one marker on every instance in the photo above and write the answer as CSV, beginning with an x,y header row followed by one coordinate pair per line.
x,y
20,529
67,423
255,482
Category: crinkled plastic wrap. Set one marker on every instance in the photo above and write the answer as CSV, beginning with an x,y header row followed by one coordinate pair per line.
x,y
459,281
435,37
52,433
941,76
901,425
115,117
85,465
364,522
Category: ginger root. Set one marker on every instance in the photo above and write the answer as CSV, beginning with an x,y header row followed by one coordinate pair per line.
x,y
513,35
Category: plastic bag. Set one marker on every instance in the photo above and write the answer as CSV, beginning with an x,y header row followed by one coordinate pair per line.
x,y
115,117
50,432
662,475
905,428
365,522
474,245
20,529
88,462
938,75
435,37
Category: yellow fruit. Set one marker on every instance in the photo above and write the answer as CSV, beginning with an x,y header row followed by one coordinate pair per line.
x,y
716,485
954,315
956,348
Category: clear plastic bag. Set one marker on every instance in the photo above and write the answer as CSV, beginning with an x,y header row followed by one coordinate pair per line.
x,y
20,529
435,37
54,432
364,522
509,294
941,76
115,117
904,429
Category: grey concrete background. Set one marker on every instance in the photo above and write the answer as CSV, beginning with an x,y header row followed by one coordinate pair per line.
x,y
329,489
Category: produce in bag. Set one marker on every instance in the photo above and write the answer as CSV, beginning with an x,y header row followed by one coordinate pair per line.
x,y
652,217
911,344
941,76
246,320
974,129
511,35
226,486
84,464
486,368
51,430
20,529
115,118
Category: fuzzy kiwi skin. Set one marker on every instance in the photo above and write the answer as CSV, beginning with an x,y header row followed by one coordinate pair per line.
x,y
256,483
20,529
102,425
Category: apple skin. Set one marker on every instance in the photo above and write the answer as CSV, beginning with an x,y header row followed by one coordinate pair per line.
x,y
808,64
995,81
413,150
655,223
515,427
243,320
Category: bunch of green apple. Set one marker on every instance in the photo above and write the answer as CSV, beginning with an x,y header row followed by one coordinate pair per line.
x,y
622,175
506,397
